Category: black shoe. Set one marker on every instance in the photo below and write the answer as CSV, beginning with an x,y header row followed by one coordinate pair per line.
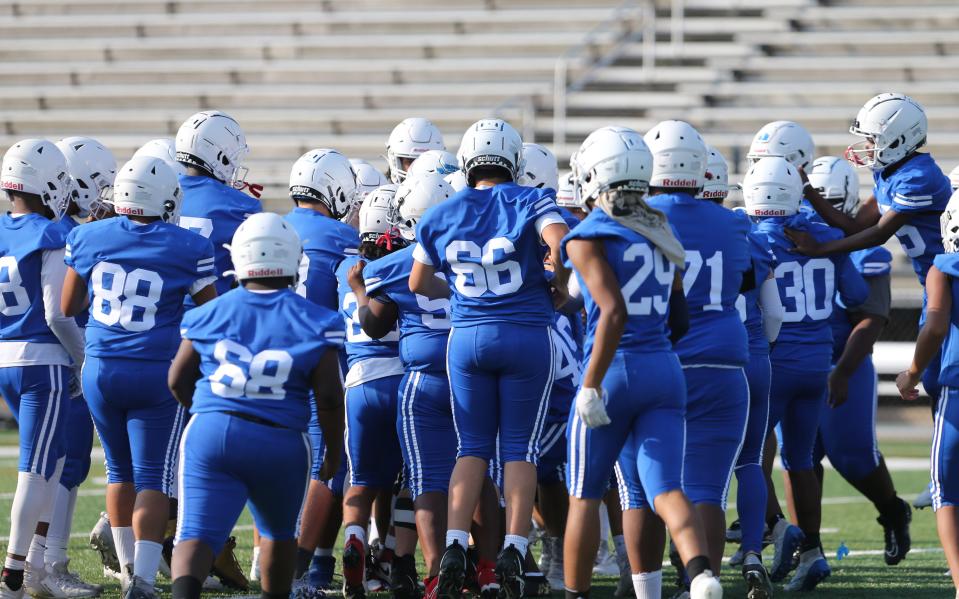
x,y
734,534
535,585
896,533
509,573
404,582
452,572
758,585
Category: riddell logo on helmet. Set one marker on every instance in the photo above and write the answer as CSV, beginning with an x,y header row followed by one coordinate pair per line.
x,y
129,211
680,183
767,212
12,186
264,272
713,195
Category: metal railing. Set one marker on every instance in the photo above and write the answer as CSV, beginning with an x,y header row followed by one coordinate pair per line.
x,y
624,20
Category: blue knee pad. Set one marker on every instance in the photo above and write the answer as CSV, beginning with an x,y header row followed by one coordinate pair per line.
x,y
138,420
500,389
37,396
645,434
945,450
796,401
551,467
227,462
79,443
371,444
425,429
717,409
848,433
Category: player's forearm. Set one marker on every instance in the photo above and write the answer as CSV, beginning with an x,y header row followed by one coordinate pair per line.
x,y
928,344
609,330
859,344
833,217
867,238
330,415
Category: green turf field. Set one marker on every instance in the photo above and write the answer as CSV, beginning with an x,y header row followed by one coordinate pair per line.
x,y
846,518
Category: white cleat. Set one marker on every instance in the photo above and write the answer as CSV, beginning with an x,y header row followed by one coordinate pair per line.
x,y
624,588
101,539
554,576
35,584
812,570
705,586
61,582
605,562
8,593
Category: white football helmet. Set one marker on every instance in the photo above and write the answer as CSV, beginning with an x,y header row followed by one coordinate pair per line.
x,y
92,167
146,186
566,196
434,161
540,168
213,141
409,139
949,224
954,178
38,167
368,178
679,155
491,142
772,187
376,213
836,181
716,187
894,126
610,157
457,180
783,138
324,176
163,148
414,197
265,246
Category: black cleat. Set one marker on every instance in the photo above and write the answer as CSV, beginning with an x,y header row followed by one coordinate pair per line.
x,y
509,573
452,572
896,533
404,582
758,585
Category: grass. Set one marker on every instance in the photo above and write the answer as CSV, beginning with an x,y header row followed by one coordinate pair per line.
x,y
847,517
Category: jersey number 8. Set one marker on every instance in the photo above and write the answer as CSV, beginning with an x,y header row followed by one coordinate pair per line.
x,y
128,299
473,279
12,285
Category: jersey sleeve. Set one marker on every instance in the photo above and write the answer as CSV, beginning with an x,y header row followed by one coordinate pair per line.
x,y
853,289
425,251
203,262
75,253
913,192
879,300
330,329
378,277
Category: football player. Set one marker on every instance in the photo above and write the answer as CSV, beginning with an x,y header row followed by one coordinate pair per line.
x,y
541,170
368,178
247,368
324,189
566,197
41,349
715,352
372,383
425,422
410,138
486,241
847,429
613,252
163,148
941,325
132,273
438,162
211,147
772,190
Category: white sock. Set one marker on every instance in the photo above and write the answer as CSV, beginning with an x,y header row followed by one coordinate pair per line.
x,y
520,542
146,560
620,544
14,564
38,547
58,536
321,552
357,531
29,506
124,541
648,585
603,531
460,536
256,554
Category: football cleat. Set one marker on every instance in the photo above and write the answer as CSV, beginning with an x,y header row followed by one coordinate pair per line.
x,y
786,539
758,585
509,573
535,585
546,553
140,589
555,573
486,579
404,582
353,569
705,586
36,585
453,573
429,590
737,558
321,571
924,499
624,587
812,570
605,564
302,589
896,532
101,539
227,568
61,582
734,534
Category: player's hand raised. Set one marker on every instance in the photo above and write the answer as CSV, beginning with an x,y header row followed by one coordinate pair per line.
x,y
355,276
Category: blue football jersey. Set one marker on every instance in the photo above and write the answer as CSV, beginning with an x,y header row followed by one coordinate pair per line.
x,y
424,323
717,256
645,277
137,276
326,241
807,287
68,225
257,351
359,345
949,371
486,243
22,243
568,337
750,312
870,262
918,188
215,211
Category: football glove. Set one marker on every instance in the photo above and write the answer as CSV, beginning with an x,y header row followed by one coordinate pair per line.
x,y
591,407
